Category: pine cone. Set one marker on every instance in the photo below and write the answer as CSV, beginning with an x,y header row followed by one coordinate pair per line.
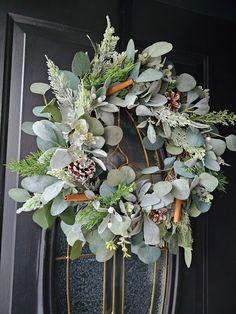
x,y
173,100
82,169
158,215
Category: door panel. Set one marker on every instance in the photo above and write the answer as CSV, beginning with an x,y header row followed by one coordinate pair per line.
x,y
36,276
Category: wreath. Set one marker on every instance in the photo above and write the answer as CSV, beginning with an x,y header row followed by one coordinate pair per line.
x,y
71,176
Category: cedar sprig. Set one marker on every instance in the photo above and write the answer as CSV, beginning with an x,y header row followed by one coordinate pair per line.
x,y
94,217
223,117
30,166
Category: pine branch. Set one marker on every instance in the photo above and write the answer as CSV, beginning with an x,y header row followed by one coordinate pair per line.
x,y
30,166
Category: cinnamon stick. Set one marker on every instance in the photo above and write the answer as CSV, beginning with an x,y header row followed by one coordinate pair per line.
x,y
177,211
75,197
119,87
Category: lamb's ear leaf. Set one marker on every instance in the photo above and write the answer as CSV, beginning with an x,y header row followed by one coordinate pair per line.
x,y
149,75
130,50
19,195
188,256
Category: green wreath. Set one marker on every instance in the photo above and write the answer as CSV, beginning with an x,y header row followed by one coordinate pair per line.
x,y
69,177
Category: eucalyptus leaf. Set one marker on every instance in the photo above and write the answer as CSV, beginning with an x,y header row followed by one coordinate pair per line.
x,y
181,189
103,255
168,162
208,181
76,250
185,82
128,174
143,190
106,190
162,188
37,111
231,142
150,199
173,150
120,227
80,64
113,135
157,100
149,75
150,170
151,232
43,218
39,88
158,49
142,110
19,195
95,126
218,146
210,162
194,137
182,170
201,206
27,127
114,177
149,254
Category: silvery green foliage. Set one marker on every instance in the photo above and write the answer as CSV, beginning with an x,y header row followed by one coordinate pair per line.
x,y
79,129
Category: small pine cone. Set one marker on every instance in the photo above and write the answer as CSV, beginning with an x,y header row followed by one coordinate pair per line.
x,y
82,169
173,100
158,215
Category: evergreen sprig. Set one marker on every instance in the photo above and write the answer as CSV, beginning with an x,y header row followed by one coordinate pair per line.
x,y
224,117
30,166
115,72
94,217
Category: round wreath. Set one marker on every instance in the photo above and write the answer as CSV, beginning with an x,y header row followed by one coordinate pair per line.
x,y
70,176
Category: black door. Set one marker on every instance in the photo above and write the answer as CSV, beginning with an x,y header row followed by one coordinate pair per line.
x,y
36,275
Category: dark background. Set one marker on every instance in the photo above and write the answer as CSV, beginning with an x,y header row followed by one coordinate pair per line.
x,y
203,35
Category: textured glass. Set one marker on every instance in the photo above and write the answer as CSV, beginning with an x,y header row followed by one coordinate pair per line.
x,y
86,278
139,285
85,281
